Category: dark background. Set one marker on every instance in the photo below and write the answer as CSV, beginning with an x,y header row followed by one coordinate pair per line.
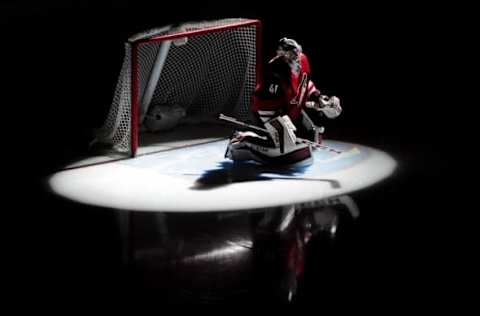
x,y
387,63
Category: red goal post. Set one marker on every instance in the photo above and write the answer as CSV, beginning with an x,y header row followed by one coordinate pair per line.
x,y
207,68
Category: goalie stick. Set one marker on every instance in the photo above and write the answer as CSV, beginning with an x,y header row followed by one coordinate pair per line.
x,y
256,128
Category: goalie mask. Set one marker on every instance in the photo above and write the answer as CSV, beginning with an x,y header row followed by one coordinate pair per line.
x,y
290,51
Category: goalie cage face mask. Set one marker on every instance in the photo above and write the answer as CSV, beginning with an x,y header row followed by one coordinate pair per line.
x,y
290,50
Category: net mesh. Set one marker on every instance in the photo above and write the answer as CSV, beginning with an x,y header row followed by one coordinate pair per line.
x,y
206,74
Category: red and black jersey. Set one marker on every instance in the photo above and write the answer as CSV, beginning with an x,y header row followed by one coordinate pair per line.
x,y
283,90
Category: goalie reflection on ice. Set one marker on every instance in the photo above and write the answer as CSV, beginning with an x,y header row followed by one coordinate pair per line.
x,y
267,256
283,102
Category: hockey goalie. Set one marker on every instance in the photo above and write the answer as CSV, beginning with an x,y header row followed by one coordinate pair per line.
x,y
283,103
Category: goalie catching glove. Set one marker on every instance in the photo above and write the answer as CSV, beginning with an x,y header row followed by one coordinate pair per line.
x,y
330,106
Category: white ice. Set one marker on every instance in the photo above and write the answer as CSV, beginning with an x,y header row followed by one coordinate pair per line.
x,y
168,181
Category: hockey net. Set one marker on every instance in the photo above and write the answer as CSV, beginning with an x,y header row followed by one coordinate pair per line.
x,y
207,68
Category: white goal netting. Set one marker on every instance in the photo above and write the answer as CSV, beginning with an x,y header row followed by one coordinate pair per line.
x,y
206,68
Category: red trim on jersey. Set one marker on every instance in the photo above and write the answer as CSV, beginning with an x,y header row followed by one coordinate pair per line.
x,y
311,88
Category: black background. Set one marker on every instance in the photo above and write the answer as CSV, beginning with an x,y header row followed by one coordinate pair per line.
x,y
387,63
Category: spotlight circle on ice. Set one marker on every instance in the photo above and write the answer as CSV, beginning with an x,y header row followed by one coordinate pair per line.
x,y
198,179
190,76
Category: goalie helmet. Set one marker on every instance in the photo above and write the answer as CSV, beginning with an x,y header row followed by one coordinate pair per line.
x,y
163,118
290,50
288,45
